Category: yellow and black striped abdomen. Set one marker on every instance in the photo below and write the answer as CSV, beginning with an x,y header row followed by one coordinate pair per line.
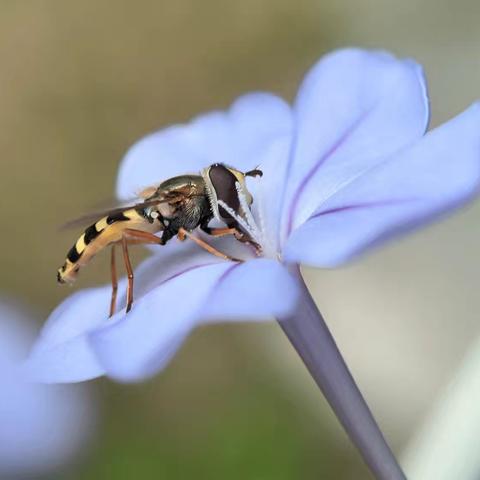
x,y
102,233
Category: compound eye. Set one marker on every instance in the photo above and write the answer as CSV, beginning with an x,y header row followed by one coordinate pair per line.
x,y
224,183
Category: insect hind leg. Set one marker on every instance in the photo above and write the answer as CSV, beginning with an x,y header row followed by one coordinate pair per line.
x,y
129,269
113,269
133,237
139,237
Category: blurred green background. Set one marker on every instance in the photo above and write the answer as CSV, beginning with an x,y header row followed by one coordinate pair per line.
x,y
81,81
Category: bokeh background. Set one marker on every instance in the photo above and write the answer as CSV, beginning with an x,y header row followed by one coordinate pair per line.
x,y
81,81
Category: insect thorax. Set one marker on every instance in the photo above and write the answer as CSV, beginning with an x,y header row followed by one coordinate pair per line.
x,y
185,204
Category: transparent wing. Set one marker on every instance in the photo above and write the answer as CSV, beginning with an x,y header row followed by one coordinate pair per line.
x,y
161,197
94,216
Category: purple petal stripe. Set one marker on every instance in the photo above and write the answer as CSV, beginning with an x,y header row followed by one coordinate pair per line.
x,y
324,158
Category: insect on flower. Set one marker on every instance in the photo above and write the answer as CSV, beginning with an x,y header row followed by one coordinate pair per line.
x,y
176,207
347,167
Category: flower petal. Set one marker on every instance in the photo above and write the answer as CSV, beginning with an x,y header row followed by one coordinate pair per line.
x,y
255,289
61,352
438,173
267,191
234,137
42,426
353,108
139,344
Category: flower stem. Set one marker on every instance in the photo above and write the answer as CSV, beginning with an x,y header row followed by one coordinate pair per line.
x,y
307,331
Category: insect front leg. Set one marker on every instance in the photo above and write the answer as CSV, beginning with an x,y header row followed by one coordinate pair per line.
x,y
240,236
220,232
206,246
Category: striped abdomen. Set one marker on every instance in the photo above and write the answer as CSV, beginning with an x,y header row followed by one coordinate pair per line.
x,y
106,231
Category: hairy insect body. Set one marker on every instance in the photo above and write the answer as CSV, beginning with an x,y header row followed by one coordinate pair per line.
x,y
176,207
188,206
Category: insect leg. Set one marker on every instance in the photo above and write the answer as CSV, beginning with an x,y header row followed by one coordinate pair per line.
x,y
220,232
181,236
205,245
113,268
137,237
134,237
241,237
168,234
128,266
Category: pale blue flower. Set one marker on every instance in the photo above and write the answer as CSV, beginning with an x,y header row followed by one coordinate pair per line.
x,y
42,427
345,168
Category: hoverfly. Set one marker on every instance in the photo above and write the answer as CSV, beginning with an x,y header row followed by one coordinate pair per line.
x,y
176,207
